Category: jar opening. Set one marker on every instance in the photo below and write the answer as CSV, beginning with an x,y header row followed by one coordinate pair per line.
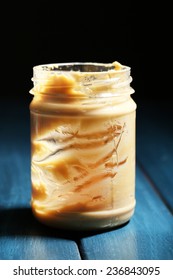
x,y
85,67
82,67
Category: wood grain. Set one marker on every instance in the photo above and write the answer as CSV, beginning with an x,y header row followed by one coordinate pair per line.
x,y
149,234
155,148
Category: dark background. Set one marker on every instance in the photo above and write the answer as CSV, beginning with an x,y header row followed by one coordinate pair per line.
x,y
135,33
131,32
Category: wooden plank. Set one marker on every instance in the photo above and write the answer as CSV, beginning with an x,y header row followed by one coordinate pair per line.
x,y
148,235
155,148
21,236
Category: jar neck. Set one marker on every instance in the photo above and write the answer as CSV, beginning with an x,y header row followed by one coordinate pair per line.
x,y
81,81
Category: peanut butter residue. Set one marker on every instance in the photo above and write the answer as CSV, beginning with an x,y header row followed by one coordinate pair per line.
x,y
82,142
117,65
39,192
58,84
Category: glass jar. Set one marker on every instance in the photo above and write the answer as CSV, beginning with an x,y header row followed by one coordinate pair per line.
x,y
83,145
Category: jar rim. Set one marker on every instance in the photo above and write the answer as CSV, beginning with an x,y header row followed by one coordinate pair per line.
x,y
83,67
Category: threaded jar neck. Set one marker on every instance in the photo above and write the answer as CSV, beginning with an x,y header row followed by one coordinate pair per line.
x,y
83,80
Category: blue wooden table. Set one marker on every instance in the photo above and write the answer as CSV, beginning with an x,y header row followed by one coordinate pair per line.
x,y
148,235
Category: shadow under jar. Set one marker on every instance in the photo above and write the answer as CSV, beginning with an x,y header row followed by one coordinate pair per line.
x,y
83,145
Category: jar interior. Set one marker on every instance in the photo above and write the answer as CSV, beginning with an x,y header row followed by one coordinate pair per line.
x,y
82,67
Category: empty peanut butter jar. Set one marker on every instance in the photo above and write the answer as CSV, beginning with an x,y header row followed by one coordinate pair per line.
x,y
82,145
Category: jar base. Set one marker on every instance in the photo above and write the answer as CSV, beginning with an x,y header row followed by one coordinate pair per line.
x,y
99,220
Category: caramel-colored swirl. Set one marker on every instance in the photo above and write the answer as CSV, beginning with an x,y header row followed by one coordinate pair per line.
x,y
70,167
